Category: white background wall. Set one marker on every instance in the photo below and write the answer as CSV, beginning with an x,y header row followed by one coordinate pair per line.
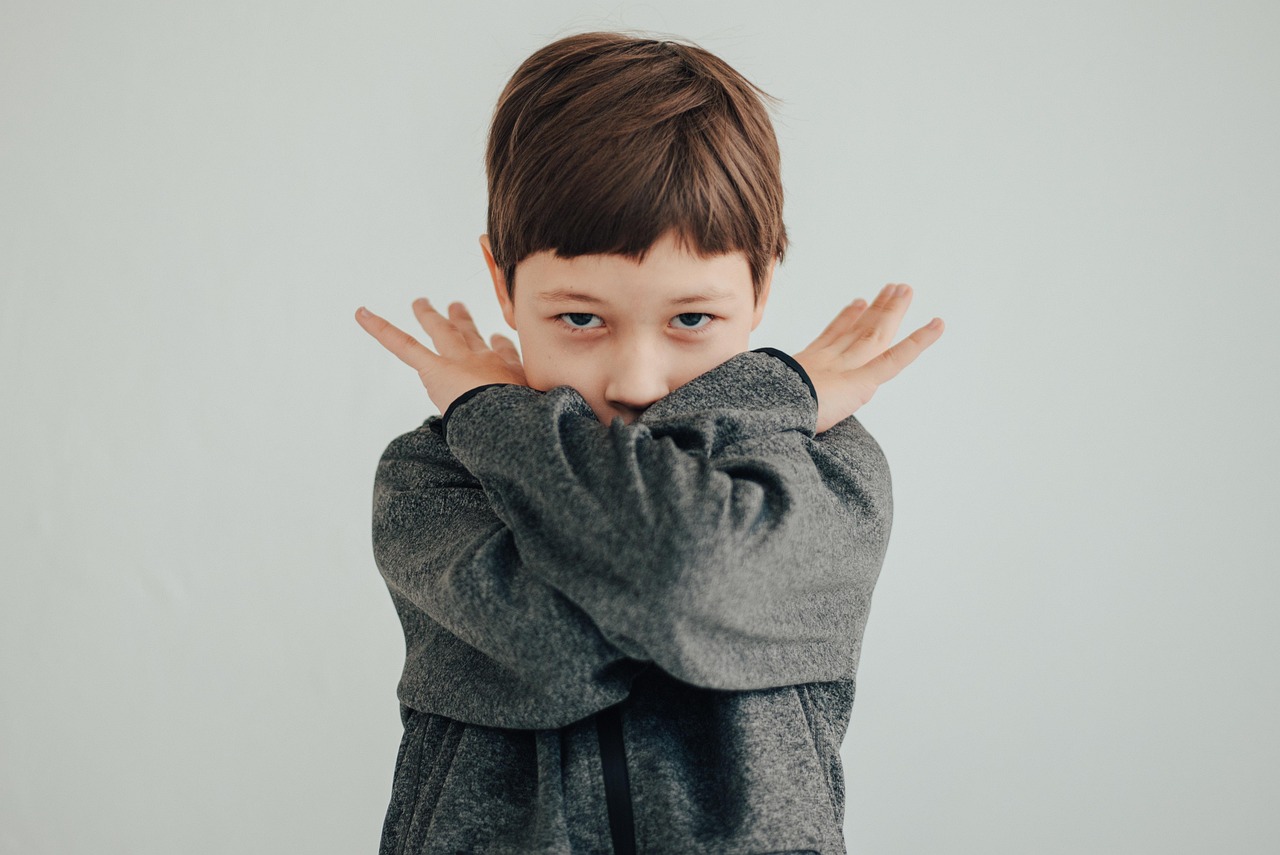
x,y
1073,644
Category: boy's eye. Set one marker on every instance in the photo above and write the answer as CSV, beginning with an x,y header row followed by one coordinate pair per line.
x,y
691,318
687,321
576,318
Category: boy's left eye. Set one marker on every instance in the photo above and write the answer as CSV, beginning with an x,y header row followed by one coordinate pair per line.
x,y
691,317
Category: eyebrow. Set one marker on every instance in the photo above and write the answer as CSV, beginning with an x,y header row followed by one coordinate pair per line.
x,y
564,295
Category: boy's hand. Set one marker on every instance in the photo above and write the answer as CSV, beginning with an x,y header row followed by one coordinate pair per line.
x,y
848,361
464,361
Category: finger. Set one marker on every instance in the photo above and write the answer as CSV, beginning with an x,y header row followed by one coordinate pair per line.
x,y
844,319
887,365
505,348
879,323
466,324
407,349
444,335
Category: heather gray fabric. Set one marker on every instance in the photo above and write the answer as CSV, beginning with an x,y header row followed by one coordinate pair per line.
x,y
709,566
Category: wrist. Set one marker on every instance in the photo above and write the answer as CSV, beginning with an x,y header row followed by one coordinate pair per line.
x,y
791,363
462,399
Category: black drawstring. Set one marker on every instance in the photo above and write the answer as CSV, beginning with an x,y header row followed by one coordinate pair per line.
x,y
617,785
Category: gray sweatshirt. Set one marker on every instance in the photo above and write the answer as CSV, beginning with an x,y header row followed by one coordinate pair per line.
x,y
650,629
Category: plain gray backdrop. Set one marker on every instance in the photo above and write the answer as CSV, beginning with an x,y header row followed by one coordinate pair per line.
x,y
1072,646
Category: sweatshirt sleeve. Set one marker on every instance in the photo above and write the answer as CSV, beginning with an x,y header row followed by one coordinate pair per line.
x,y
440,547
716,536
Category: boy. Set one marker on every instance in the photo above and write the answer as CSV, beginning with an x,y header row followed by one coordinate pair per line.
x,y
634,561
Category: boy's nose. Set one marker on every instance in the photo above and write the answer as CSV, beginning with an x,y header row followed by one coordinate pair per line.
x,y
633,389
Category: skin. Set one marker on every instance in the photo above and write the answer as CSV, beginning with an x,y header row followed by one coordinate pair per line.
x,y
622,341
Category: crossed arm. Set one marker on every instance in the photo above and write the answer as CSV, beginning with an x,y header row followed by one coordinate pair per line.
x,y
716,537
731,535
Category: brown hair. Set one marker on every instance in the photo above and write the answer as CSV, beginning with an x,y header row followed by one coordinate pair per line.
x,y
601,142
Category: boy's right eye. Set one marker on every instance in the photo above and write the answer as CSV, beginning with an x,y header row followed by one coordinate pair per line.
x,y
576,320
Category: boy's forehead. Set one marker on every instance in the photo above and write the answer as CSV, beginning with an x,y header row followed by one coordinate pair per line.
x,y
663,277
704,293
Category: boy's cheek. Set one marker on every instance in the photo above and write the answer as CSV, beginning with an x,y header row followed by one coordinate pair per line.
x,y
545,376
545,371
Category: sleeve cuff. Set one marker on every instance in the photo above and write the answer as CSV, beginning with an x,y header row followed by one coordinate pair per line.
x,y
791,363
462,399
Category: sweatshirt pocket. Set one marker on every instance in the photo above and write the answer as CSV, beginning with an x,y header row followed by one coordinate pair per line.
x,y
426,755
404,785
826,754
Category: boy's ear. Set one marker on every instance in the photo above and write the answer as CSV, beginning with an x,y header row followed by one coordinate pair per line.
x,y
764,295
499,283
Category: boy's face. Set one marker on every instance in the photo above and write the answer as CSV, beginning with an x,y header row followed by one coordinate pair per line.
x,y
625,334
